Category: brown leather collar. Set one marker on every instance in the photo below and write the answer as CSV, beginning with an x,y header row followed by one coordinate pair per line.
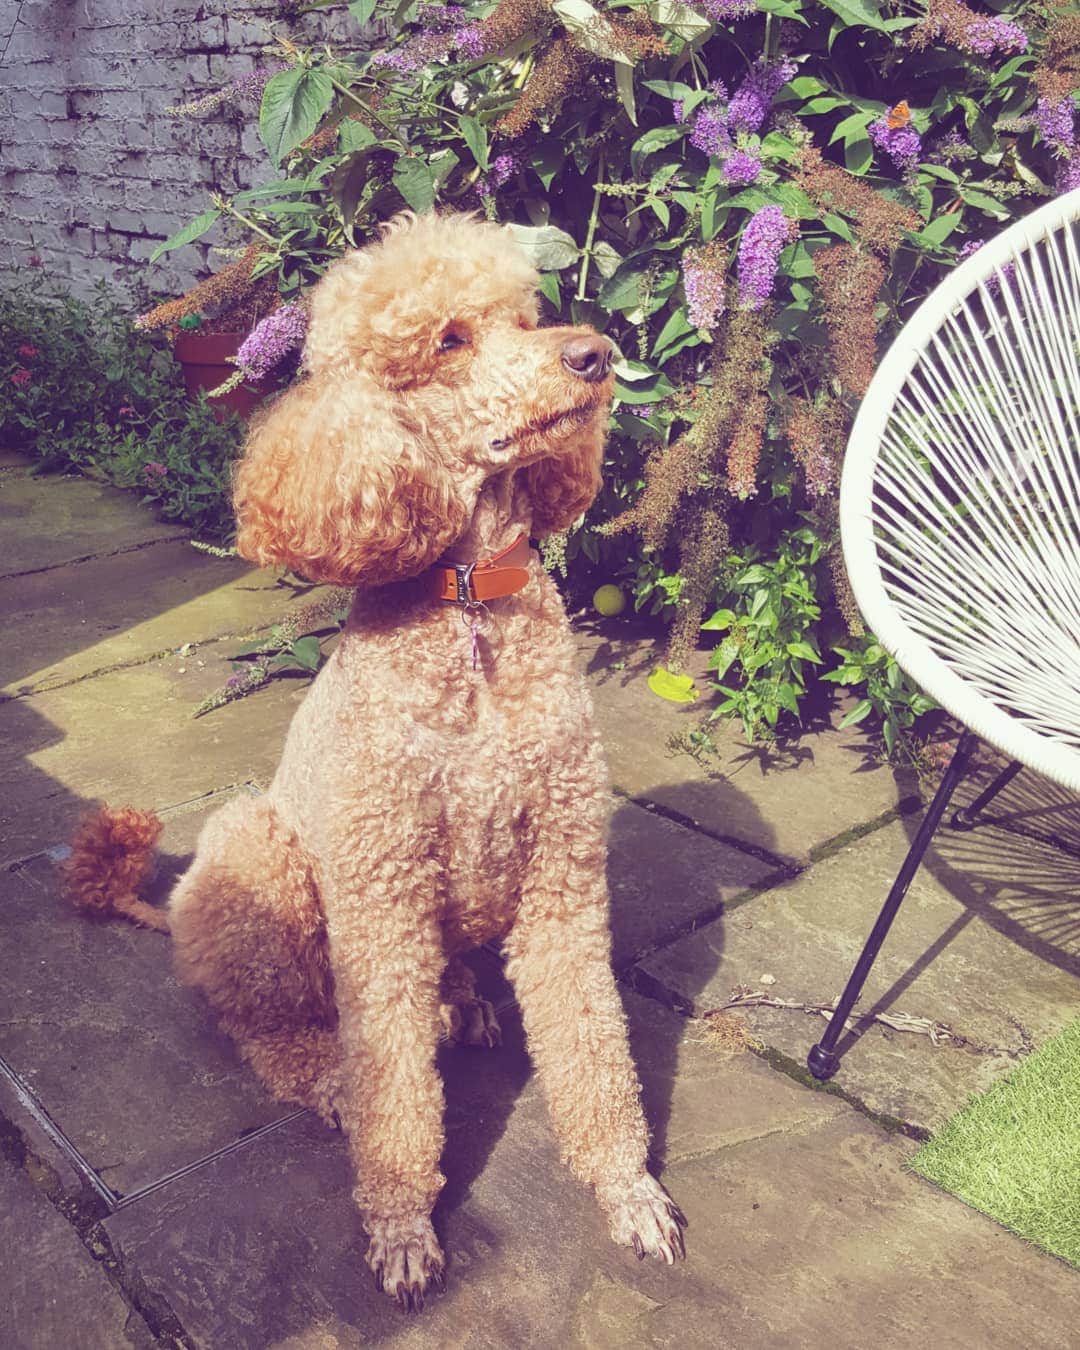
x,y
504,573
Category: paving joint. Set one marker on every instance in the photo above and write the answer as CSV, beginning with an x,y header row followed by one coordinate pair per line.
x,y
777,861
50,687
84,1214
648,986
93,557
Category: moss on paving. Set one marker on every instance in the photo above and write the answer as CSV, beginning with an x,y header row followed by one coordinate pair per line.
x,y
1014,1151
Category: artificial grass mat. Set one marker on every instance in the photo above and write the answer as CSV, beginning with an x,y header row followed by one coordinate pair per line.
x,y
1014,1152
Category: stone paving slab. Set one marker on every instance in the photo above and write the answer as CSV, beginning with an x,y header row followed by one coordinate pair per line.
x,y
263,1247
126,1062
820,1238
663,878
126,607
787,800
50,519
979,945
129,737
53,1291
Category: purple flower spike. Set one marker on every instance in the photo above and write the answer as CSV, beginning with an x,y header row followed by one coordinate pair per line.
x,y
1068,175
742,168
470,42
704,284
986,36
723,11
751,102
1057,123
763,240
710,133
903,144
271,340
503,168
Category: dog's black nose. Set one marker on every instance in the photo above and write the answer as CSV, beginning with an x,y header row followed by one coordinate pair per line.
x,y
588,357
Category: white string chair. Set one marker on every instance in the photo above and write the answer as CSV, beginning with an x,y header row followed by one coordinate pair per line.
x,y
960,520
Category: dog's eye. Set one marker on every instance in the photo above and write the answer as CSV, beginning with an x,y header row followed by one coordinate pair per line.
x,y
452,339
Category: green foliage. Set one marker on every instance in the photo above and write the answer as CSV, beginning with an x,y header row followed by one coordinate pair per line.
x,y
579,124
769,621
887,692
81,389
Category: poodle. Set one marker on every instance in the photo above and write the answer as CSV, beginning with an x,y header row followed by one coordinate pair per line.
x,y
441,784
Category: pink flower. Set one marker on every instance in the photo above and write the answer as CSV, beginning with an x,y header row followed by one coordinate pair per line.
x,y
22,376
152,469
126,410
28,350
35,260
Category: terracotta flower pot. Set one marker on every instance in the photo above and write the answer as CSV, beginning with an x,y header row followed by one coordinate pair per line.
x,y
204,360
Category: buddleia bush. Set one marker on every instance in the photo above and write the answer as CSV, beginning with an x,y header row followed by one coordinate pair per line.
x,y
748,196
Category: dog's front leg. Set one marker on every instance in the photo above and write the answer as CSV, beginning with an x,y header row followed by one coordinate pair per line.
x,y
387,959
559,960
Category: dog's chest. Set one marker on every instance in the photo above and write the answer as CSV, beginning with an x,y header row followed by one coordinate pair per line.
x,y
486,809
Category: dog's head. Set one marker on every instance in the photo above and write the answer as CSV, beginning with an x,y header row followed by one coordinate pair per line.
x,y
427,375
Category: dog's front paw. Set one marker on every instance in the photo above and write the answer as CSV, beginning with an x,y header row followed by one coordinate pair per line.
x,y
406,1260
472,1022
648,1220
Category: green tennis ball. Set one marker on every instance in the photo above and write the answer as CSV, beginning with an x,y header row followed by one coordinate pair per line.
x,y
609,601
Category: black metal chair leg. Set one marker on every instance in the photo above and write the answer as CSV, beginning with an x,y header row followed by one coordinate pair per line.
x,y
967,817
823,1059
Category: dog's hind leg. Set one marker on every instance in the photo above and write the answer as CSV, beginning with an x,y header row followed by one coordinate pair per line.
x,y
249,932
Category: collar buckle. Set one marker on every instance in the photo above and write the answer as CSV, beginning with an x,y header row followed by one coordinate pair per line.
x,y
463,577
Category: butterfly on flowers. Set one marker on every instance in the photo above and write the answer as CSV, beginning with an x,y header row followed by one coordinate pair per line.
x,y
899,116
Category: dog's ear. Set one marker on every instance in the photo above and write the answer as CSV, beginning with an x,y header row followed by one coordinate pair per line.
x,y
562,486
334,485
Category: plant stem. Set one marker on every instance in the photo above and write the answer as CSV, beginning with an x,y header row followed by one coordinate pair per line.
x,y
593,218
228,208
346,92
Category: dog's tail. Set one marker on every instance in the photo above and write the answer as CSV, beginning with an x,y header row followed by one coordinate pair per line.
x,y
112,854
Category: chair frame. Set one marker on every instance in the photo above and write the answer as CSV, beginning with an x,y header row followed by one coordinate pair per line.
x,y
981,718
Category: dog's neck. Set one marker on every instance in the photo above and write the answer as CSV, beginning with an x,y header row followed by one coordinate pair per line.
x,y
503,513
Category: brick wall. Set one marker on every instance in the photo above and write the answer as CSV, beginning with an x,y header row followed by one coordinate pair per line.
x,y
93,172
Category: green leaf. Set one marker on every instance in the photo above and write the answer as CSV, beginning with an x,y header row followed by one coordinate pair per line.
x,y
306,652
671,89
549,288
548,248
354,135
362,10
861,709
624,85
606,258
592,30
984,202
857,13
678,18
648,391
720,621
195,229
547,162
803,651
416,182
938,230
858,155
852,127
475,134
653,139
675,688
722,658
292,104
677,326
786,9
347,187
